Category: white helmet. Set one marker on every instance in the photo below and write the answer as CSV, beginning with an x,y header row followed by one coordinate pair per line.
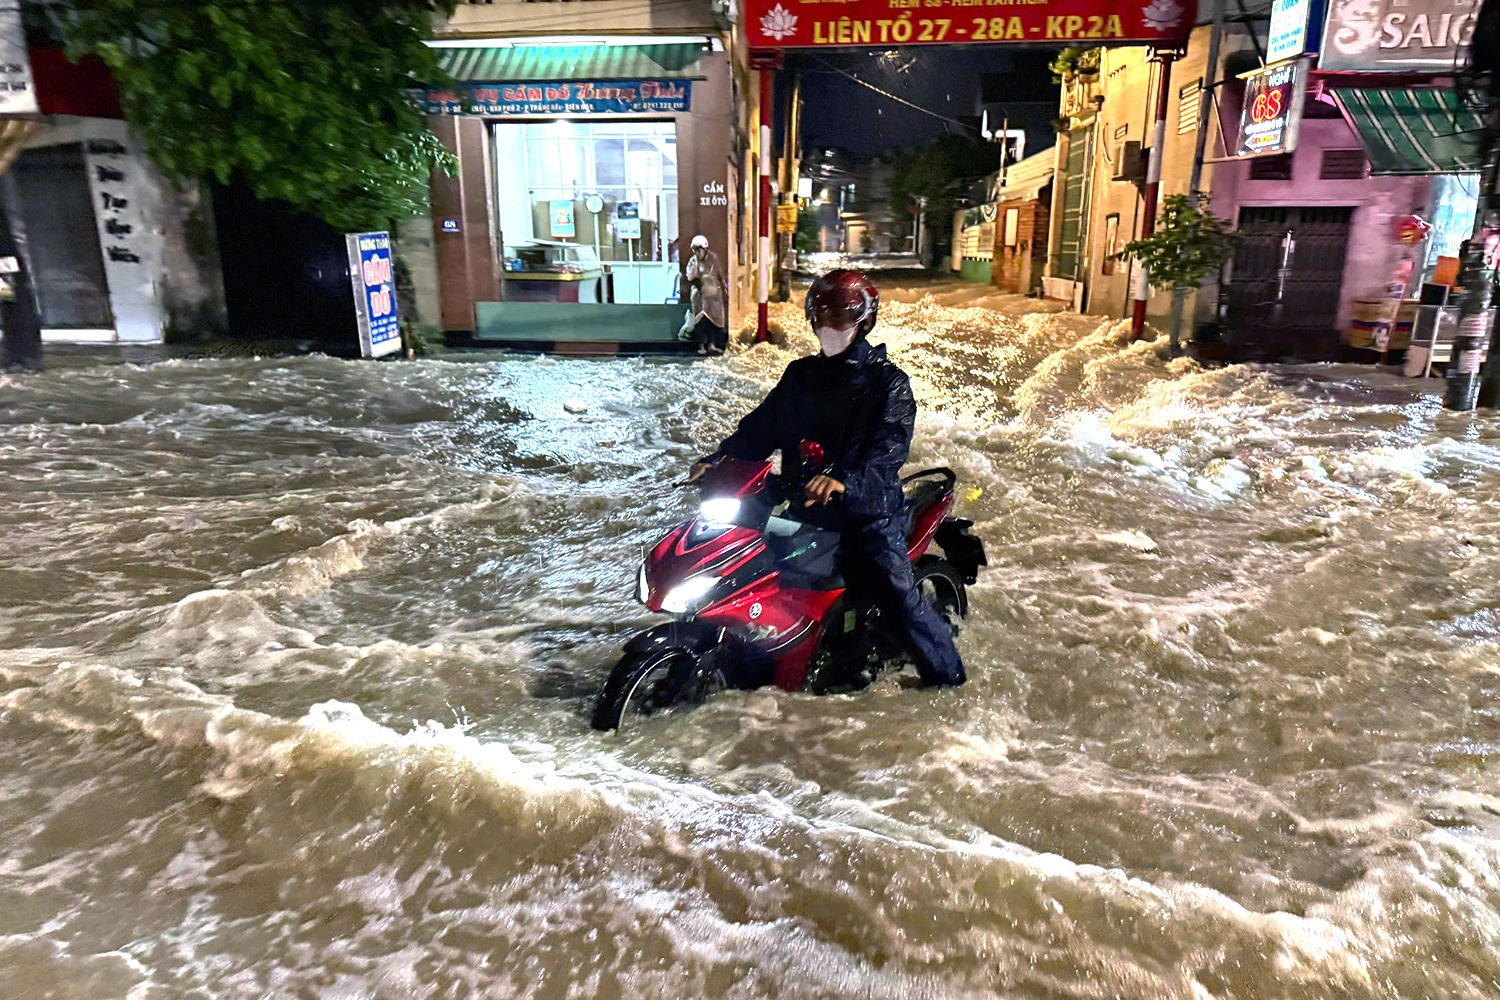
x,y
699,241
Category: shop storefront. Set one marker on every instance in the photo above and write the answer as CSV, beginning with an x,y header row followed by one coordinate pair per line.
x,y
606,186
1390,70
104,234
584,173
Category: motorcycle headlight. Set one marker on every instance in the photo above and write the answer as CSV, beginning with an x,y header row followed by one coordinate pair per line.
x,y
719,512
642,587
688,595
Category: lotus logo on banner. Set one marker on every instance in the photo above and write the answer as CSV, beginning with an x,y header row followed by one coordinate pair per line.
x,y
779,23
1162,15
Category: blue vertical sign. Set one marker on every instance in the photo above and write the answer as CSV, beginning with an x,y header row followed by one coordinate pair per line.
x,y
1296,27
374,293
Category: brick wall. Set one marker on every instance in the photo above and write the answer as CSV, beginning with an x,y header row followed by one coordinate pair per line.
x,y
1019,268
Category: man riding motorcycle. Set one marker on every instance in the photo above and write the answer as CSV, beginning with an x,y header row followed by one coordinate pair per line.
x,y
858,407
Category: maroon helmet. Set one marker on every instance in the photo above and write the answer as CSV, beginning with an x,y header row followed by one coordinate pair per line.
x,y
841,299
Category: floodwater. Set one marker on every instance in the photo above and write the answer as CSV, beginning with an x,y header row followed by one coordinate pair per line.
x,y
296,658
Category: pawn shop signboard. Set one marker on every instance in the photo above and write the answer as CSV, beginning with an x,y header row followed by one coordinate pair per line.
x,y
788,24
1272,114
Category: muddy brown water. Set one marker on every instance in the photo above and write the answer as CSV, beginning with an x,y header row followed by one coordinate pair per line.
x,y
296,657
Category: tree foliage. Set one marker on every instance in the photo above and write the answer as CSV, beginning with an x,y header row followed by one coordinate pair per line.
x,y
938,171
307,101
1075,60
805,239
1185,247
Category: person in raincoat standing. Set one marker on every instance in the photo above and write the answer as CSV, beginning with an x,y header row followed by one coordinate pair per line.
x,y
709,298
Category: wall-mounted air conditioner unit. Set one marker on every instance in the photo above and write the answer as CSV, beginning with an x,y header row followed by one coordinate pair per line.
x,y
1130,162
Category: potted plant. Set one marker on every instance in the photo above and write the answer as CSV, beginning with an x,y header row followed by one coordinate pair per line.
x,y
1086,66
1075,63
1186,246
1065,64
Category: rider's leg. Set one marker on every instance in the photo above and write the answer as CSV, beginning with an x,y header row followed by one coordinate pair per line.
x,y
893,585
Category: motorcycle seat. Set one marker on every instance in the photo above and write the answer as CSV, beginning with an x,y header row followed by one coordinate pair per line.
x,y
920,494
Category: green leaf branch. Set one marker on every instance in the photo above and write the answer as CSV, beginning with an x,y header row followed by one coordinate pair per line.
x,y
1188,245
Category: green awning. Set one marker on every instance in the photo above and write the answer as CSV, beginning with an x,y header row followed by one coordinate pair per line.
x,y
1410,130
677,60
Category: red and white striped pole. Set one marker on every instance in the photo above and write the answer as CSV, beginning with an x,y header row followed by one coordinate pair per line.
x,y
767,66
1163,58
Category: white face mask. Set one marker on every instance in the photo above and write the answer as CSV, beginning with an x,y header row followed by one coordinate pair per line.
x,y
834,342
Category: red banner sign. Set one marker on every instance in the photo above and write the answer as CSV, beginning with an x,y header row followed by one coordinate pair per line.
x,y
788,24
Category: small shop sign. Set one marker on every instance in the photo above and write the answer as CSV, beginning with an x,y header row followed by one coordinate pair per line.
x,y
1397,36
628,220
561,214
374,293
17,89
563,97
786,218
1295,26
1271,119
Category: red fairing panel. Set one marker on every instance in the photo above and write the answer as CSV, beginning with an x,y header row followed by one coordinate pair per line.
x,y
788,623
925,525
675,558
736,478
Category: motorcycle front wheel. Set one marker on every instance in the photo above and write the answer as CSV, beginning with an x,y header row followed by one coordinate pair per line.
x,y
644,684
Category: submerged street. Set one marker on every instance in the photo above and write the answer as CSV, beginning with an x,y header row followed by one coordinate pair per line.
x,y
297,656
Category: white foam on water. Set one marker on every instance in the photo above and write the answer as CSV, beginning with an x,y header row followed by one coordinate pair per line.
x,y
1224,735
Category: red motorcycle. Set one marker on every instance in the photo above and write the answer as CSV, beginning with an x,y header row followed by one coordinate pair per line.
x,y
759,597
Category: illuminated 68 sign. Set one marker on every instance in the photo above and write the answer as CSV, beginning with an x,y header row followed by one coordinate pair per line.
x,y
1272,115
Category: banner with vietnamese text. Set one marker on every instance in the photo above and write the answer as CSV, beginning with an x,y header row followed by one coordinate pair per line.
x,y
780,24
564,97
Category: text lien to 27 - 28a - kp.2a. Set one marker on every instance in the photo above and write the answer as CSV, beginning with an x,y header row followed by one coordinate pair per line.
x,y
816,23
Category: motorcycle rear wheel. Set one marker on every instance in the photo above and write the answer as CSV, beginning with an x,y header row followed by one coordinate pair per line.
x,y
943,589
643,684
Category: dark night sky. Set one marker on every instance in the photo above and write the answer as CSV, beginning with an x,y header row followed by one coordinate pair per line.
x,y
839,112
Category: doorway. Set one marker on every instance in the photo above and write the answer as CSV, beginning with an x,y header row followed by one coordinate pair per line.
x,y
1282,299
53,214
610,186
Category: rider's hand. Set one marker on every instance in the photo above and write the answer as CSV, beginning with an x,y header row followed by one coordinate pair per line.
x,y
698,471
821,490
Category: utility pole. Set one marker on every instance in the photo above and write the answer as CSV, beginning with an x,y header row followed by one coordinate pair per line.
x,y
1163,58
791,139
1471,379
766,64
1004,147
1195,183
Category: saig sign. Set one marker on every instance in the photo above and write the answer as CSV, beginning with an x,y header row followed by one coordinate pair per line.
x,y
1397,35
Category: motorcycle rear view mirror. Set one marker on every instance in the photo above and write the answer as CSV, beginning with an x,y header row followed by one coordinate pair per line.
x,y
811,453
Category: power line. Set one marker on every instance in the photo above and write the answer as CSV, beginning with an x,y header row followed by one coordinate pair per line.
x,y
890,96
